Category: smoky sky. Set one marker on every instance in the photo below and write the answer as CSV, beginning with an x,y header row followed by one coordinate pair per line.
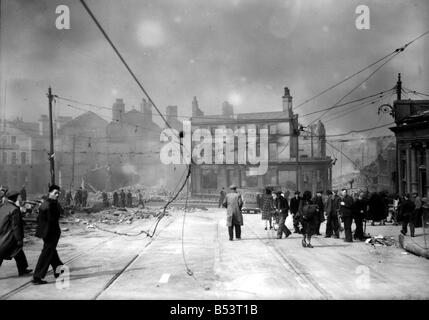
x,y
242,51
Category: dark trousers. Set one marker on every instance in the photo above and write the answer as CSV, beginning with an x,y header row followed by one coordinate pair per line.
x,y
359,229
348,228
296,223
48,256
332,225
405,221
21,261
282,227
237,231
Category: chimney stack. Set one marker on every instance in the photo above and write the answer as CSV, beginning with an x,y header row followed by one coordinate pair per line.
x,y
118,110
196,111
287,102
44,125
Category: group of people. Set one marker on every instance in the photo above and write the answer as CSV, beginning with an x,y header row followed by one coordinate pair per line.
x,y
336,208
408,210
48,229
123,199
80,198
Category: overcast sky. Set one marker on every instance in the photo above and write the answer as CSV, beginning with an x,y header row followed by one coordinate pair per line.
x,y
244,51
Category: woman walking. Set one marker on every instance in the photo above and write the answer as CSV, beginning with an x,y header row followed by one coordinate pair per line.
x,y
308,212
267,208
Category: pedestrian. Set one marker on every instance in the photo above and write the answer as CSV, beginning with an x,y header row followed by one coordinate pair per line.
x,y
320,217
222,197
12,233
48,229
129,199
331,210
294,205
308,212
407,211
282,208
84,197
78,198
359,213
234,218
346,206
140,199
68,198
417,216
23,193
267,208
105,199
396,204
122,197
115,199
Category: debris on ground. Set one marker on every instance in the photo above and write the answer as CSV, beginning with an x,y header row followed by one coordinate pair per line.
x,y
381,240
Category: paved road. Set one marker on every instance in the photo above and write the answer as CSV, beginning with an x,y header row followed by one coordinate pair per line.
x,y
108,266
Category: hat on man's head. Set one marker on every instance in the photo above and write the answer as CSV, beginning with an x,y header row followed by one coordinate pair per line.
x,y
12,195
297,192
233,186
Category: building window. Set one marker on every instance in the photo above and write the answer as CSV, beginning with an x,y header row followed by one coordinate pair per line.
x,y
13,139
4,157
23,158
208,179
273,129
273,151
14,158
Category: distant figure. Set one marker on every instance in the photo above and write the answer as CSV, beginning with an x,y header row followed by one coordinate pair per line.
x,y
283,208
129,199
359,212
308,212
267,208
140,199
105,199
331,209
346,214
407,212
78,197
320,217
234,218
294,205
84,197
23,193
377,209
68,198
122,197
221,197
115,199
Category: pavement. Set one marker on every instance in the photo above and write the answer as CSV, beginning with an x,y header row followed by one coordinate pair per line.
x,y
190,257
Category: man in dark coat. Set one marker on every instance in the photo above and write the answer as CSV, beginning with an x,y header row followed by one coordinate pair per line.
x,y
122,197
129,199
294,205
12,233
320,217
331,209
48,229
359,213
346,214
23,193
234,218
105,199
78,197
221,197
282,207
84,197
407,214
115,199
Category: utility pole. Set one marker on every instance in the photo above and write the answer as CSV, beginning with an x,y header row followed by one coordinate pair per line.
x,y
73,160
51,127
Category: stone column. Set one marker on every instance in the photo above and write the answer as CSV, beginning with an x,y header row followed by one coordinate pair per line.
x,y
427,168
408,174
414,182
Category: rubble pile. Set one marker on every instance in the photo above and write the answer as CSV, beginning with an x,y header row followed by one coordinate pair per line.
x,y
381,240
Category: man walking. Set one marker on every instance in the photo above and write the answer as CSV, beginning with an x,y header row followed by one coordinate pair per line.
x,y
48,229
129,199
283,208
332,226
407,213
346,206
294,205
234,218
12,233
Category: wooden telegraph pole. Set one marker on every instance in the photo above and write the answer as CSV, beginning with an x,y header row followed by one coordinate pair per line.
x,y
51,127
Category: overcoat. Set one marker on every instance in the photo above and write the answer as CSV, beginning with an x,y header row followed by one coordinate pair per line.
x,y
48,226
233,203
11,230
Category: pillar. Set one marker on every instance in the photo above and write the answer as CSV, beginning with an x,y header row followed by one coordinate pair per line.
x,y
427,169
408,155
413,164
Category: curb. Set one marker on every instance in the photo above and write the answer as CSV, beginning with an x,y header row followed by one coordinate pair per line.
x,y
413,248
